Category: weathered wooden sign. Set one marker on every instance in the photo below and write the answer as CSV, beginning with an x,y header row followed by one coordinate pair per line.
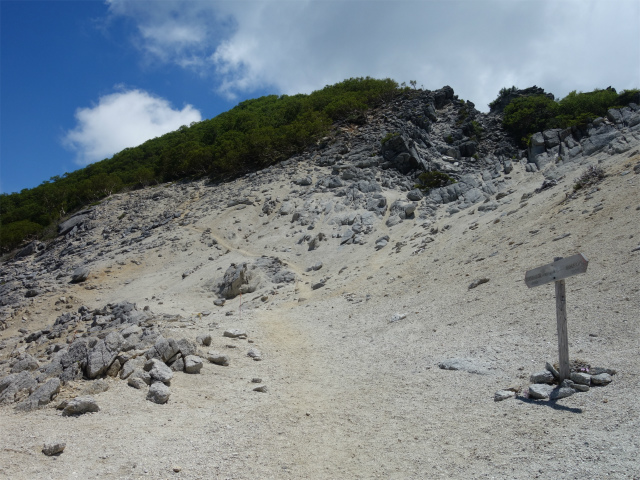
x,y
557,271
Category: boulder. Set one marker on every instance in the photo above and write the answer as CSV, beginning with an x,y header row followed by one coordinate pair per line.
x,y
80,406
501,395
601,379
53,448
540,391
16,385
80,274
218,358
204,340
192,364
158,393
543,376
75,221
234,333
103,354
158,370
164,349
27,363
580,378
237,279
41,397
30,249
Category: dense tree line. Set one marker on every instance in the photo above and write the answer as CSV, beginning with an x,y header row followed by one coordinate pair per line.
x,y
253,135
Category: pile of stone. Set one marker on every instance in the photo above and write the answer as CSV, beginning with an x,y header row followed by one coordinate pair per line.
x,y
547,385
118,340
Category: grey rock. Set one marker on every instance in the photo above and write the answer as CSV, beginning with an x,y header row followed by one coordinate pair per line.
x,y
30,249
131,330
178,365
53,448
561,392
80,274
159,371
164,349
41,396
136,382
415,195
237,279
315,267
75,221
397,316
601,379
141,374
477,282
102,355
192,364
465,364
158,393
129,367
15,385
255,354
314,243
261,389
393,220
95,387
204,340
81,405
581,388
187,347
27,363
501,395
235,333
286,208
581,378
552,369
543,376
540,391
114,369
218,358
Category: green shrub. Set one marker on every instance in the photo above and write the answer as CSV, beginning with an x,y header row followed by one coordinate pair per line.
x,y
434,179
525,116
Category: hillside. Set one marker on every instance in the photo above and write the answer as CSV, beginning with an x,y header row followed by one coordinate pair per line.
x,y
354,281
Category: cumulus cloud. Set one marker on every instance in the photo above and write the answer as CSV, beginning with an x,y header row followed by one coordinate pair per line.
x,y
123,119
477,47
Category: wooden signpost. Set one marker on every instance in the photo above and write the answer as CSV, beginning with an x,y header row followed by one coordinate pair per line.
x,y
556,272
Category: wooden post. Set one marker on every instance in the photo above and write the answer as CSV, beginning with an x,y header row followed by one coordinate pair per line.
x,y
563,338
557,271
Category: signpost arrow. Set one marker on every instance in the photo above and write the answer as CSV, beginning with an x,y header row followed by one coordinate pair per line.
x,y
556,272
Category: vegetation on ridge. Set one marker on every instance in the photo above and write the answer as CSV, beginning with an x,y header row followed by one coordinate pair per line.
x,y
253,135
524,116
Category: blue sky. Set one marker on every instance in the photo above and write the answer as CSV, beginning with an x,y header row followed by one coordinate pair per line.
x,y
81,80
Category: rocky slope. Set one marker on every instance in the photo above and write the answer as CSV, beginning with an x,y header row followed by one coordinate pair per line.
x,y
324,318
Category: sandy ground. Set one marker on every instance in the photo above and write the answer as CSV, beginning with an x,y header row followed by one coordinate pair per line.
x,y
353,395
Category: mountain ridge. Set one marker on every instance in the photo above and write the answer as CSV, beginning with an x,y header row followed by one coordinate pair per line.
x,y
340,287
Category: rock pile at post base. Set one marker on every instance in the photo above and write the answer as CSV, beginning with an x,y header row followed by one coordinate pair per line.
x,y
546,384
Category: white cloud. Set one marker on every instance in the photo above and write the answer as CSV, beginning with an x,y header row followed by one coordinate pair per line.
x,y
477,47
123,119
